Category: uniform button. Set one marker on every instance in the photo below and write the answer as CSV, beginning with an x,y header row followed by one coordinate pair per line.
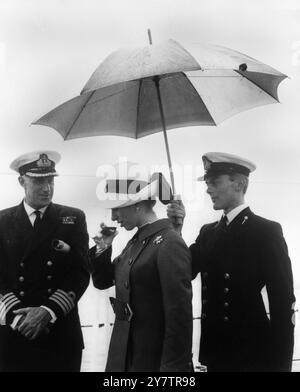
x,y
126,284
204,301
203,317
226,319
204,288
205,275
143,242
72,295
226,304
226,276
22,265
130,261
21,279
21,293
49,277
49,263
49,291
226,290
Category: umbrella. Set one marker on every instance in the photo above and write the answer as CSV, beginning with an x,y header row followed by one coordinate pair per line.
x,y
139,91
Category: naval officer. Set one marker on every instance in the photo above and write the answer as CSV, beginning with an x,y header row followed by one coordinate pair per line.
x,y
237,257
43,273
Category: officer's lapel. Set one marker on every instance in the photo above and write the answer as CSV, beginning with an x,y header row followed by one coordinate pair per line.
x,y
217,238
137,249
232,235
134,248
23,231
238,231
240,223
145,236
49,224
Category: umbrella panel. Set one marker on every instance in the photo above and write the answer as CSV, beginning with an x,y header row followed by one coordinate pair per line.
x,y
131,108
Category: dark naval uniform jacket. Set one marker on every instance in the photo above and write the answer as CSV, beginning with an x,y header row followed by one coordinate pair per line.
x,y
235,264
33,273
153,305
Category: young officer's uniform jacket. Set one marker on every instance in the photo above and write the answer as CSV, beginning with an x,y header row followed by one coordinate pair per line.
x,y
236,262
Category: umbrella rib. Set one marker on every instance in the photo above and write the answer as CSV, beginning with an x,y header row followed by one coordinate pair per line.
x,y
111,95
214,76
87,101
255,84
229,69
193,87
76,118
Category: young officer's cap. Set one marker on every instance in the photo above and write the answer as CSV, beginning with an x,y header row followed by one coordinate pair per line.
x,y
36,164
218,163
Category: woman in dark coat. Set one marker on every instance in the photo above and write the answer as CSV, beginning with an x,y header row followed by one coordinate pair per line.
x,y
153,304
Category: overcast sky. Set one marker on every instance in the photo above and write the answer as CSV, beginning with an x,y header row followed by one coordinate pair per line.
x,y
49,49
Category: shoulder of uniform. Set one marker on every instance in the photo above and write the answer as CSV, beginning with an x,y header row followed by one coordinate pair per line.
x,y
264,222
165,236
208,226
205,229
266,227
7,212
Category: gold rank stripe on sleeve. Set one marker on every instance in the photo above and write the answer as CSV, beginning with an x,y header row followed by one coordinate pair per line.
x,y
7,302
64,300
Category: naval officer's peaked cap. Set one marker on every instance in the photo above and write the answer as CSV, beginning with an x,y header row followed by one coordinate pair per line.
x,y
36,163
217,163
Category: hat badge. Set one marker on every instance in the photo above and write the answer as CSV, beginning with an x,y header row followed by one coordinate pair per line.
x,y
206,163
43,161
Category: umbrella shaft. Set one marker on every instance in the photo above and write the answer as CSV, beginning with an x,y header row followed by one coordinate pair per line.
x,y
156,81
149,36
169,162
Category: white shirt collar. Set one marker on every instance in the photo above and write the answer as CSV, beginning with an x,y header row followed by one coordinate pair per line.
x,y
234,213
30,211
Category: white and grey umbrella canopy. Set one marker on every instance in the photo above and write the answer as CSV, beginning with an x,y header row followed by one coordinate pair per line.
x,y
204,87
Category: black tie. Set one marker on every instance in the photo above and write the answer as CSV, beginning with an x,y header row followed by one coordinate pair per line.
x,y
223,223
38,220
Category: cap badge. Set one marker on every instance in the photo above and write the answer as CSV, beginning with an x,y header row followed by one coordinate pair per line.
x,y
158,240
206,163
43,161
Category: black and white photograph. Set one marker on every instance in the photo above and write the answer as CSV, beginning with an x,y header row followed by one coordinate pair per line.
x,y
150,182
